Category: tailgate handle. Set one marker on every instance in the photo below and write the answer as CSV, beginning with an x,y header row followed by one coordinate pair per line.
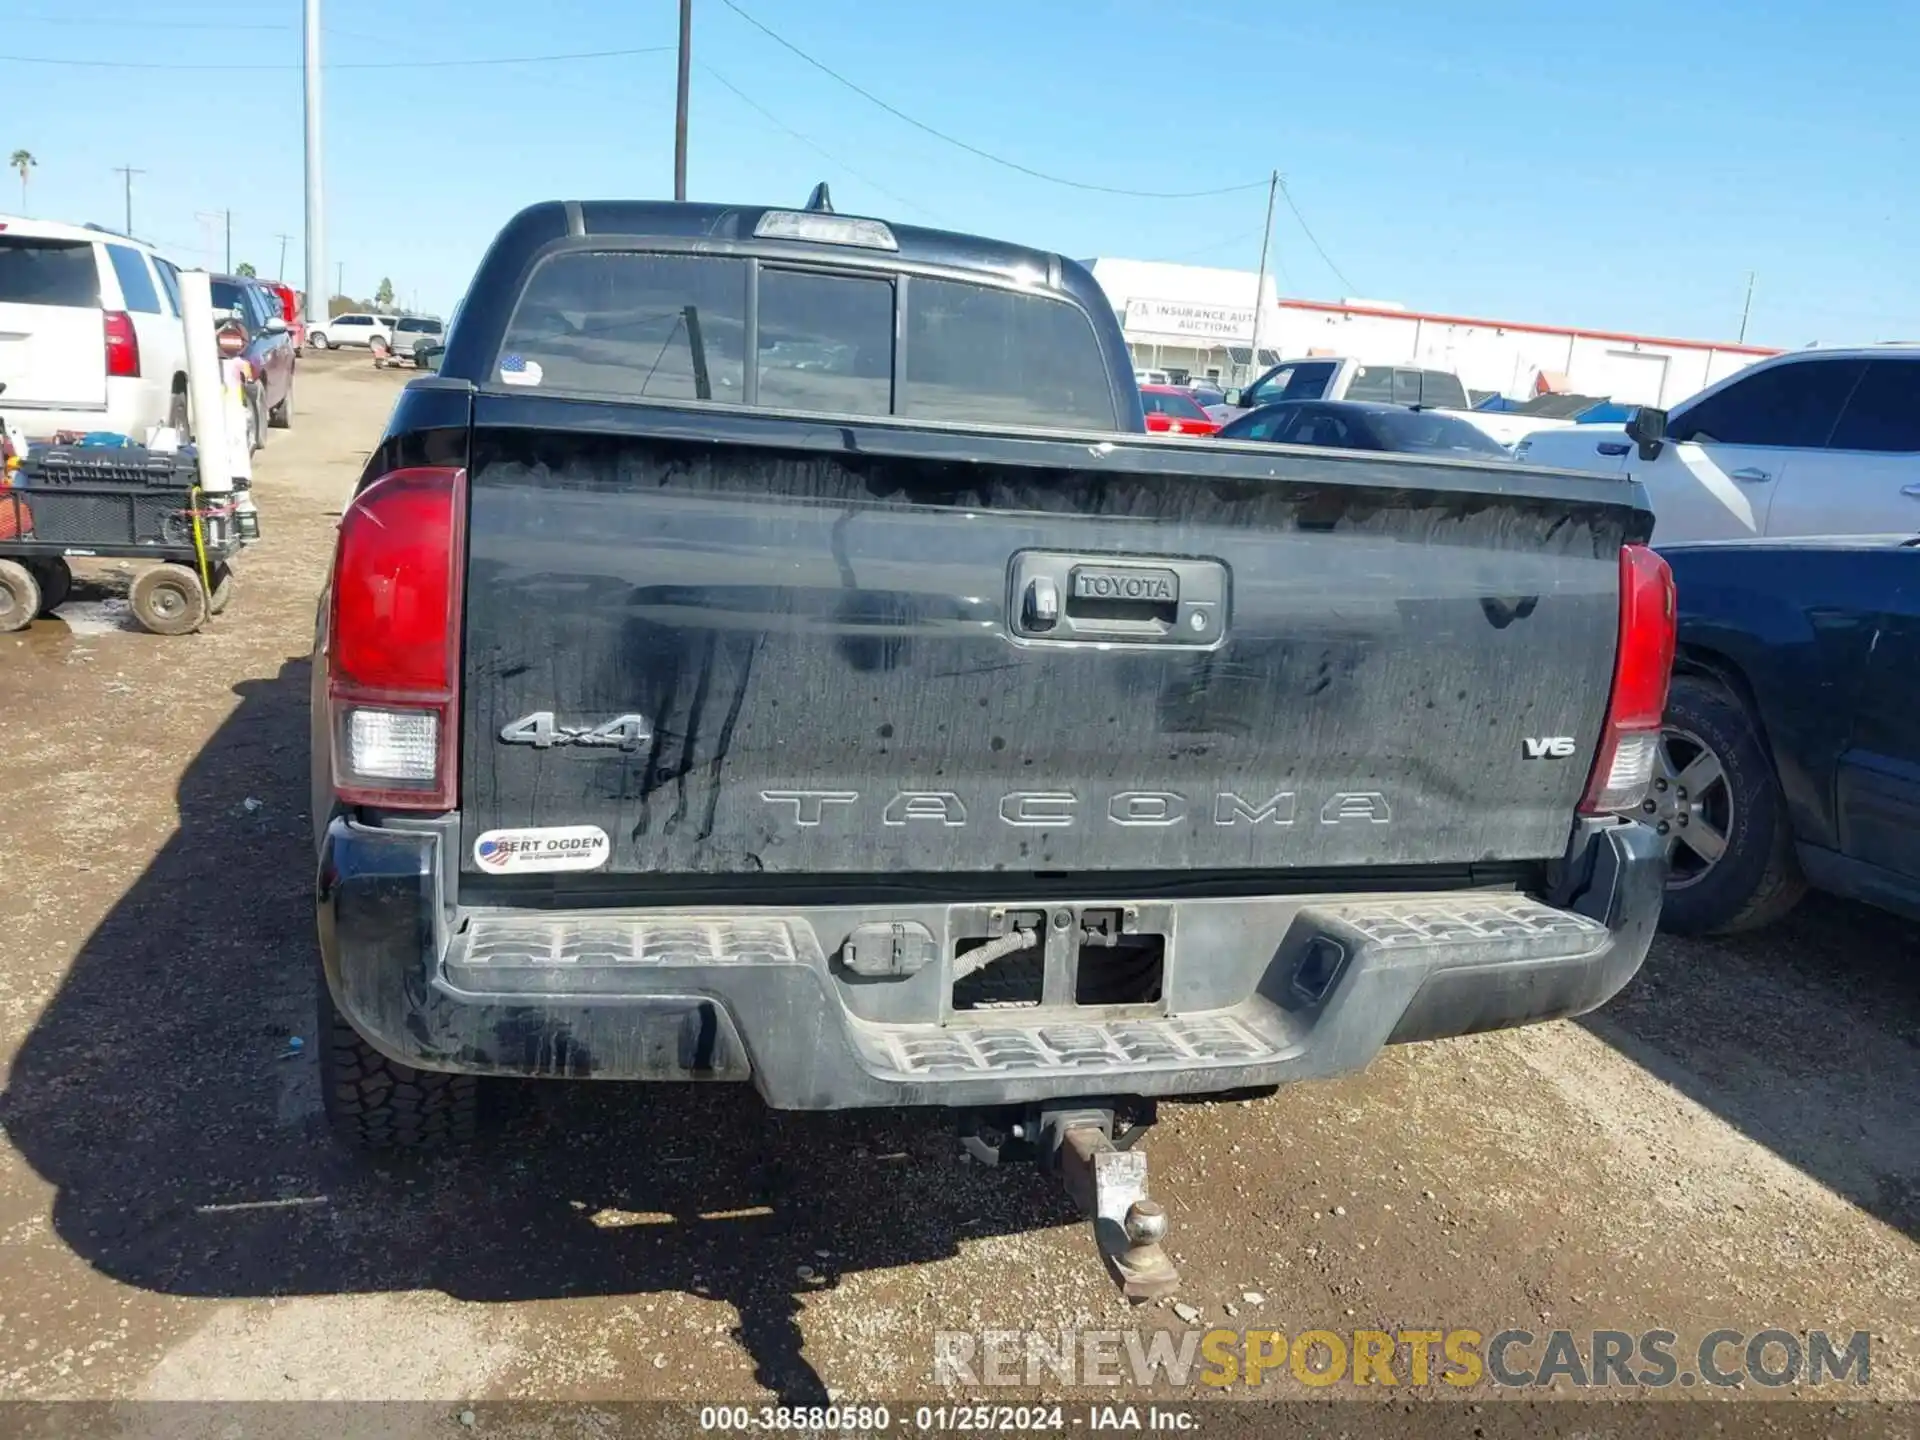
x,y
1108,599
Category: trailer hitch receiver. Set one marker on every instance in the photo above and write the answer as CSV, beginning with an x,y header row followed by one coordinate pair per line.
x,y
1093,1154
1110,1184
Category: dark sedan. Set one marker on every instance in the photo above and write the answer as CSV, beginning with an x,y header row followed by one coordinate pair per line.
x,y
1358,425
1791,755
247,311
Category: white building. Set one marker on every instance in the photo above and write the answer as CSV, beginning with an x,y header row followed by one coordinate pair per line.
x,y
1198,323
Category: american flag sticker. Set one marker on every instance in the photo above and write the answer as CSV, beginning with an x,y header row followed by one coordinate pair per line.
x,y
518,370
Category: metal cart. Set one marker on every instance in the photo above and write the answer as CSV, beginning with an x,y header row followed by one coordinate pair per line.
x,y
116,503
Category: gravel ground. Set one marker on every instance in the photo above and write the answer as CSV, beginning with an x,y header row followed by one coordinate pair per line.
x,y
1731,1142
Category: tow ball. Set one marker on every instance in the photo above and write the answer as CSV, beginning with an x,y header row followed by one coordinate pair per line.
x,y
1091,1148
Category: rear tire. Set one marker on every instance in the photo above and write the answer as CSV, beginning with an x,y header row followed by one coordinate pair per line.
x,y
222,595
55,578
374,1103
19,596
1755,879
168,600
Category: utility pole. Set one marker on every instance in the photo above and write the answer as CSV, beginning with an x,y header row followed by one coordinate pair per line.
x,y
208,244
1260,281
680,104
340,280
1746,309
229,217
316,223
129,172
281,273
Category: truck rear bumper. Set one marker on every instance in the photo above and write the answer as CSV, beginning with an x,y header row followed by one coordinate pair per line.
x,y
1252,991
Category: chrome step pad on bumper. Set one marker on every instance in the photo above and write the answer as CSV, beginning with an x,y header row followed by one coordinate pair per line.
x,y
572,949
1375,942
1183,1042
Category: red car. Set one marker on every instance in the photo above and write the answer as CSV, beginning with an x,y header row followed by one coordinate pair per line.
x,y
290,311
1172,411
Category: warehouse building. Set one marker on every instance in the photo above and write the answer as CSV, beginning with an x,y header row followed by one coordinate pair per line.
x,y
1194,322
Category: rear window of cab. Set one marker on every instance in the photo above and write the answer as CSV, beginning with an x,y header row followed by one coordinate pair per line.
x,y
633,325
48,272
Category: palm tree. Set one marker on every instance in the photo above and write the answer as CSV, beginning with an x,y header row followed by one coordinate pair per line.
x,y
23,161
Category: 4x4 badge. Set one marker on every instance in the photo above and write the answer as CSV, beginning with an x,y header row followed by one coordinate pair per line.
x,y
623,732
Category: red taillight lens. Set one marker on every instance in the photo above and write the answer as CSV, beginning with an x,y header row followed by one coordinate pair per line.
x,y
393,640
1629,744
123,346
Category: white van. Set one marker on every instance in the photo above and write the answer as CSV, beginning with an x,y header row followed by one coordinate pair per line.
x,y
90,332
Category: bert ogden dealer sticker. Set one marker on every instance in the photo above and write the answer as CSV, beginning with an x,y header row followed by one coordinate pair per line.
x,y
542,851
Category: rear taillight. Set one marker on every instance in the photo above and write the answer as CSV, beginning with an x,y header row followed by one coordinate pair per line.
x,y
123,346
1630,742
393,640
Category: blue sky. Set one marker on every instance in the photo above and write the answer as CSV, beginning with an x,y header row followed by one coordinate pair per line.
x,y
1622,167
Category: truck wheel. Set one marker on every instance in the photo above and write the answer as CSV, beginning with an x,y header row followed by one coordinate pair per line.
x,y
222,595
55,578
168,600
19,596
1717,804
373,1103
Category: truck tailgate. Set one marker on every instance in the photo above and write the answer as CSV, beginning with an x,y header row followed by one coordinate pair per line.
x,y
842,651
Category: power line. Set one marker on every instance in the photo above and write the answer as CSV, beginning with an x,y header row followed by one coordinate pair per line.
x,y
1340,275
817,148
988,155
1215,245
346,65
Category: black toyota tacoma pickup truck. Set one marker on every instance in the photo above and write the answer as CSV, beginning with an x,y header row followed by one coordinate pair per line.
x,y
770,650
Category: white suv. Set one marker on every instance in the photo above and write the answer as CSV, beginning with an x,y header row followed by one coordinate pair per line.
x,y
350,329
1816,442
90,332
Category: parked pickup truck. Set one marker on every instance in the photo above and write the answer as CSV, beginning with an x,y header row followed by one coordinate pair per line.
x,y
1331,378
770,650
1792,749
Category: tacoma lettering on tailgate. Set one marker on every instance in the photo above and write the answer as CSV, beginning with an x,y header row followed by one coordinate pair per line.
x,y
1058,809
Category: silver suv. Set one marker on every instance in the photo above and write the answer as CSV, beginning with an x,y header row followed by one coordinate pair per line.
x,y
410,330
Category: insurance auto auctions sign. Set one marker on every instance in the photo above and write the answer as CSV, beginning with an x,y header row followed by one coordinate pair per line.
x,y
1200,322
